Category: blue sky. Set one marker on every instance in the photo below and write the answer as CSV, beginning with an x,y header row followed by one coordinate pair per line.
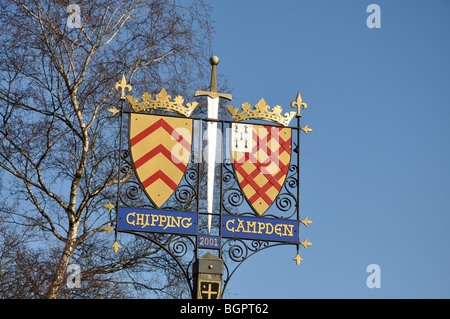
x,y
374,171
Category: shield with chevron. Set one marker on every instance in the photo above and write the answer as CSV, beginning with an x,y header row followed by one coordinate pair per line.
x,y
161,149
262,162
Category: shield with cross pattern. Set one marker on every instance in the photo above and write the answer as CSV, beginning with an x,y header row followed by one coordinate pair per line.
x,y
209,289
261,158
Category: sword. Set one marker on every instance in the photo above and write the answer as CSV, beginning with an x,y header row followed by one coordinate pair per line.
x,y
213,109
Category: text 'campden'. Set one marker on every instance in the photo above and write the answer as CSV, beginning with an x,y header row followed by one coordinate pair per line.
x,y
260,228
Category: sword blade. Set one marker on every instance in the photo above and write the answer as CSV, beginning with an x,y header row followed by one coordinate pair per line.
x,y
213,108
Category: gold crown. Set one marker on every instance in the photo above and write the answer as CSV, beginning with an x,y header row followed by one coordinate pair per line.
x,y
261,111
162,101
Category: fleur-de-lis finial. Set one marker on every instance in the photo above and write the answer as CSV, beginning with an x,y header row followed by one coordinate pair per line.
x,y
116,247
298,101
298,259
122,84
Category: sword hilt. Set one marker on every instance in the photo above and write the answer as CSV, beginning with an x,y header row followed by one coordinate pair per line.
x,y
214,61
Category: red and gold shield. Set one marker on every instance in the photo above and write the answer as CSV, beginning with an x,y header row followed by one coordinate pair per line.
x,y
262,170
160,149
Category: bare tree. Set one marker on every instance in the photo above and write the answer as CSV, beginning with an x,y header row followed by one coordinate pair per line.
x,y
58,145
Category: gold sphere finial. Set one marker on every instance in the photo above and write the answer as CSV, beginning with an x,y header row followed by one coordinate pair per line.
x,y
214,60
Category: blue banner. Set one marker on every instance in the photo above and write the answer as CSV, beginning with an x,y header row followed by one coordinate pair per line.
x,y
260,228
161,221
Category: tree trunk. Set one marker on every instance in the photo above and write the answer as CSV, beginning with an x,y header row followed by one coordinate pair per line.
x,y
60,273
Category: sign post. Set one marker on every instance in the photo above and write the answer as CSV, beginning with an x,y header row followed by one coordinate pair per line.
x,y
160,182
208,271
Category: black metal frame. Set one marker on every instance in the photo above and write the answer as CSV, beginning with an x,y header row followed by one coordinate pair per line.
x,y
188,197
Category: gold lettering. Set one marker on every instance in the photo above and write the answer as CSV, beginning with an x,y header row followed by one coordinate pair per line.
x,y
278,229
162,219
291,227
154,219
250,224
139,219
169,222
177,222
267,228
188,222
261,226
228,228
146,220
128,221
240,226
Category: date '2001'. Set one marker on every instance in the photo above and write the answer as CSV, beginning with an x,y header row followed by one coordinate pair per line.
x,y
208,242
